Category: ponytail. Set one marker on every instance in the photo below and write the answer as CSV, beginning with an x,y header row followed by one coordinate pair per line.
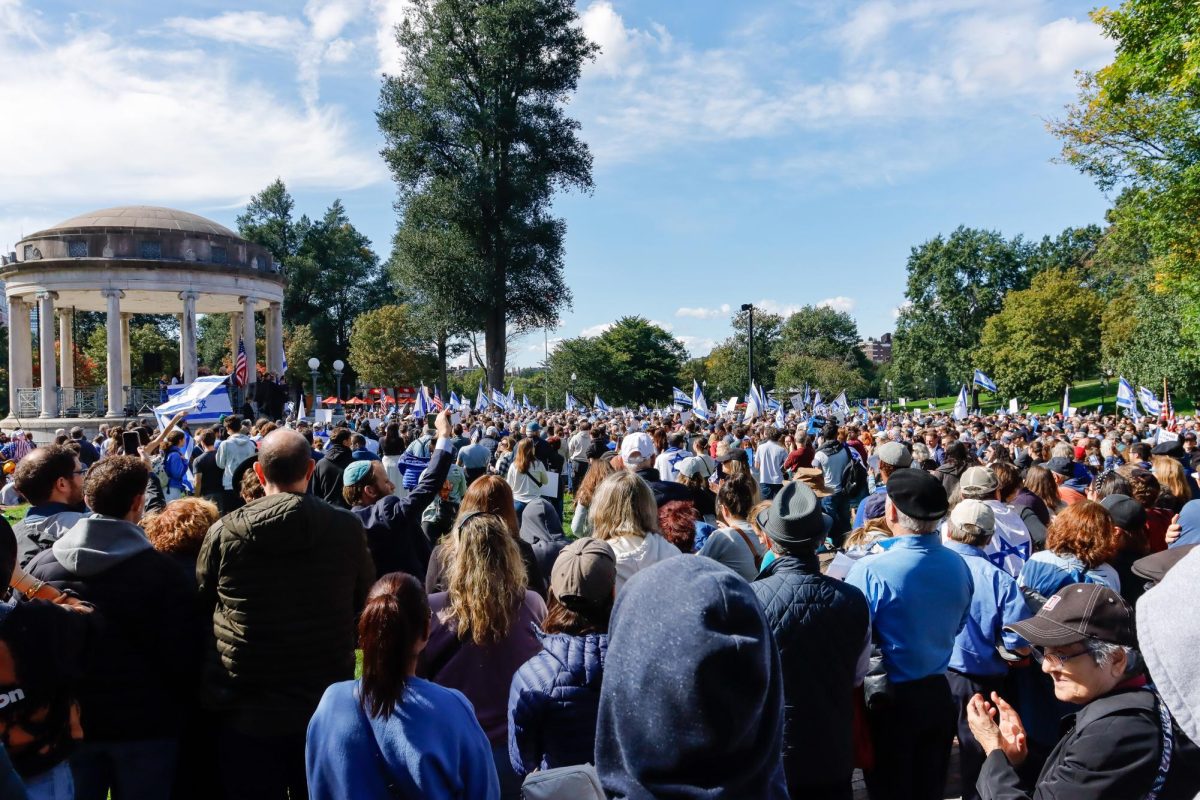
x,y
394,619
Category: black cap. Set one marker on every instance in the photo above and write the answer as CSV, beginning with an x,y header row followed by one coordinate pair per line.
x,y
1173,449
794,518
918,494
1061,466
733,454
1077,612
1127,513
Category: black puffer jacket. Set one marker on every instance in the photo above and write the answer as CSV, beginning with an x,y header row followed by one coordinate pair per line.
x,y
820,625
285,577
327,477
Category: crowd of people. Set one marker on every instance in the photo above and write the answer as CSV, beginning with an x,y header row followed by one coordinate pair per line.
x,y
603,605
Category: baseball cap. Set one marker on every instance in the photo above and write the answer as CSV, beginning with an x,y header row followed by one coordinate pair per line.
x,y
1077,612
974,512
637,449
918,494
691,467
1127,513
894,454
1061,466
533,427
978,478
586,569
732,453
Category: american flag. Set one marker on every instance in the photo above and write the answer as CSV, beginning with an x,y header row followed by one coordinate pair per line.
x,y
240,367
438,405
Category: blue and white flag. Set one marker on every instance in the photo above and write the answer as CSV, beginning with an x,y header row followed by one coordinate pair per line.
x,y
1125,396
512,398
455,402
1150,401
773,404
960,405
481,401
754,407
1066,409
699,404
499,400
983,380
525,403
572,403
807,394
645,412
780,422
679,398
600,405
840,403
816,398
423,406
207,397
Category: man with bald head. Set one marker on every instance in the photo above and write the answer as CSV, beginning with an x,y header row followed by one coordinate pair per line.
x,y
285,577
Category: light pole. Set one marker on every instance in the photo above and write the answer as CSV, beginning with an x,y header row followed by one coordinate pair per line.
x,y
749,309
313,363
889,395
338,366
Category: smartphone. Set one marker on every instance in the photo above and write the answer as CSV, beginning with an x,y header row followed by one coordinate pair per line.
x,y
130,442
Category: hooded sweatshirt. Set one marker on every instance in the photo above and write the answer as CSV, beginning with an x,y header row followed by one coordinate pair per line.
x,y
541,527
635,553
664,729
1169,638
42,527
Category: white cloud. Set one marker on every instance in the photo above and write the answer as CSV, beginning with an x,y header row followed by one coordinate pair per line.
x,y
595,330
900,308
775,307
666,326
165,126
389,14
698,346
704,313
839,303
327,18
247,28
339,51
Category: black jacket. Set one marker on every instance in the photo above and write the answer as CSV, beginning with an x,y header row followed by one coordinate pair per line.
x,y
393,525
327,478
820,625
664,491
284,578
1112,749
146,662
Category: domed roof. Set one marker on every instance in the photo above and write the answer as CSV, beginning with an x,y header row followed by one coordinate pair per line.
x,y
154,217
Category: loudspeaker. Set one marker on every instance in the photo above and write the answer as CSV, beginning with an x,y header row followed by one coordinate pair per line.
x,y
152,362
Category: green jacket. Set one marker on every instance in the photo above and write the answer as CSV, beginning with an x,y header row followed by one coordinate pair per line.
x,y
285,578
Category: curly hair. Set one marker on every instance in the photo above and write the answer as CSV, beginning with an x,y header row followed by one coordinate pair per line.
x,y
180,527
487,580
1083,530
1145,487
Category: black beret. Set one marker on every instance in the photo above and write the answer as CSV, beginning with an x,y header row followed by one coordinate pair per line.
x,y
1172,449
918,494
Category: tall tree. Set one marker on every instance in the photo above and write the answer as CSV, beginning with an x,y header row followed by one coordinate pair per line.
x,y
478,143
954,284
1045,337
632,362
268,221
819,346
387,348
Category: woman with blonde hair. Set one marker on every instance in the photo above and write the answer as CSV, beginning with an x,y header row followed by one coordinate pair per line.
x,y
1172,481
482,629
598,469
526,476
624,514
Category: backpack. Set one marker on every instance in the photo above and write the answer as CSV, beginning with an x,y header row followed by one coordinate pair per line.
x,y
854,475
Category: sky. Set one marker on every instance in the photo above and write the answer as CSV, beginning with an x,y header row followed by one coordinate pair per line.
x,y
782,153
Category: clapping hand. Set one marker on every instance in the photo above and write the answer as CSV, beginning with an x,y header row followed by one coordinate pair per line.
x,y
997,726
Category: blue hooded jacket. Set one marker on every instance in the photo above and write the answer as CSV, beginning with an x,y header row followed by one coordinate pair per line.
x,y
553,703
691,705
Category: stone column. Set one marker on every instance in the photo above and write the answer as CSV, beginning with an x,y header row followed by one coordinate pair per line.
x,y
66,338
187,337
248,336
235,333
116,397
46,350
275,340
126,355
20,352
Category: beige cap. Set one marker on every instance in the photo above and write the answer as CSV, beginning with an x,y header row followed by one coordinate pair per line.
x,y
974,512
978,478
586,569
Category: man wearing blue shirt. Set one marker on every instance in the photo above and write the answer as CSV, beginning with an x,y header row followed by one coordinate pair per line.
x,y
976,666
919,593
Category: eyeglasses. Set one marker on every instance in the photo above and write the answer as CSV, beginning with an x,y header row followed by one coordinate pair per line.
x,y
80,471
1055,660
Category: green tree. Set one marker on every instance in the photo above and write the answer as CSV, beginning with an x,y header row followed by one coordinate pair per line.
x,y
268,221
726,368
819,346
954,284
1045,337
1160,346
632,362
387,348
478,142
694,369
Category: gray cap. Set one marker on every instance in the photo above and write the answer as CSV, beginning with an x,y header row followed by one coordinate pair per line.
x,y
586,569
974,512
894,454
978,478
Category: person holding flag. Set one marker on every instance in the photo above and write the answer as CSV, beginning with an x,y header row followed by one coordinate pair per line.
x,y
1125,396
699,404
960,405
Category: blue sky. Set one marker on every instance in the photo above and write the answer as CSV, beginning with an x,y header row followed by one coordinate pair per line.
x,y
778,152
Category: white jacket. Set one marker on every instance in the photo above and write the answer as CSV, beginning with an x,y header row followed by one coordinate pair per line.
x,y
635,553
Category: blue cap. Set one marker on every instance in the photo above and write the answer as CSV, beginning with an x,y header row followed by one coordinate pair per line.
x,y
355,472
533,426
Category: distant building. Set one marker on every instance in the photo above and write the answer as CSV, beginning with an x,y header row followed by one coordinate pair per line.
x,y
878,351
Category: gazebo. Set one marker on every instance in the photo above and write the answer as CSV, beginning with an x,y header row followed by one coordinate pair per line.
x,y
124,261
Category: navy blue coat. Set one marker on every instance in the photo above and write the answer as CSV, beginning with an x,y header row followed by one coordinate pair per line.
x,y
553,703
820,625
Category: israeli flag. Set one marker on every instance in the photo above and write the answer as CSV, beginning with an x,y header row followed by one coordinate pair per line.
x,y
525,403
679,398
1150,402
455,401
423,406
960,405
645,412
481,401
753,409
512,398
1066,409
984,381
807,394
699,404
499,400
601,405
572,403
816,398
1125,396
840,403
780,422
206,397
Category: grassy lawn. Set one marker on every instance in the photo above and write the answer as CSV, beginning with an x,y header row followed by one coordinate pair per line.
x,y
15,513
1085,395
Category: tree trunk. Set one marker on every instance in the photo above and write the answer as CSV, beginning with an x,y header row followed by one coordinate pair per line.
x,y
441,349
495,344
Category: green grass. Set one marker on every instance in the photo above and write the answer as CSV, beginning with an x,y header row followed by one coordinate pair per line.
x,y
16,513
1085,395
